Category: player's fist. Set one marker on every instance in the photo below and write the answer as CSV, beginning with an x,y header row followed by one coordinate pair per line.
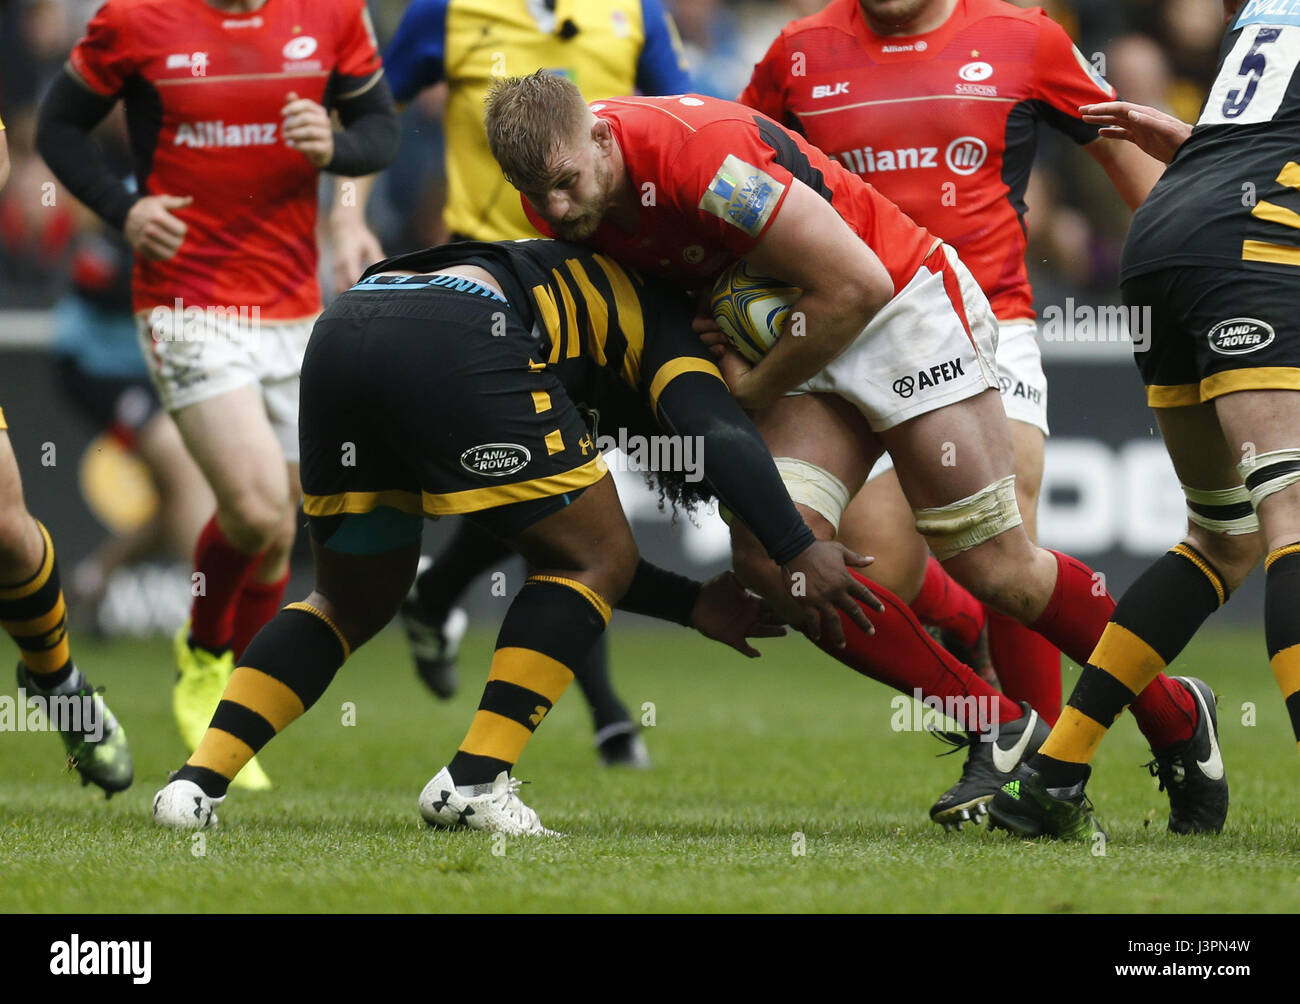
x,y
152,230
307,128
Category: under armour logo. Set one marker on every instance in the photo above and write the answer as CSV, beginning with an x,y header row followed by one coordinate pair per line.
x,y
198,807
465,813
538,714
439,806
904,386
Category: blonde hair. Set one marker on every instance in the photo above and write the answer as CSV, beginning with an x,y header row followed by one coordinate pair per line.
x,y
527,120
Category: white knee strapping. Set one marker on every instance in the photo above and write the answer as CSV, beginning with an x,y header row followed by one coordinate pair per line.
x,y
1270,472
1227,510
968,522
814,487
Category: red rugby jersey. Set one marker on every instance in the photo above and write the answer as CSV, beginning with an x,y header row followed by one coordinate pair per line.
x,y
203,92
713,175
944,124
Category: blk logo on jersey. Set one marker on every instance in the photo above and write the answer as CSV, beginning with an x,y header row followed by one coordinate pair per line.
x,y
939,373
195,62
1240,335
830,90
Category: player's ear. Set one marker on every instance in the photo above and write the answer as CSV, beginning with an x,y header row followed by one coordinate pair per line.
x,y
602,135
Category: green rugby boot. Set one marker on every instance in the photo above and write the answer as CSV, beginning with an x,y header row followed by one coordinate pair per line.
x,y
95,742
1028,809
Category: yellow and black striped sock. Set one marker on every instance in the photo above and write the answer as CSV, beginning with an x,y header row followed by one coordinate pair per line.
x,y
1153,622
548,631
1282,625
284,671
34,614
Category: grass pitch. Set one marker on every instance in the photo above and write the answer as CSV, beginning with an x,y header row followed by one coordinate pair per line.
x,y
778,786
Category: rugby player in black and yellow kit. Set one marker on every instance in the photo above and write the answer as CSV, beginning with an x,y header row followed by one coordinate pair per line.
x,y
1219,273
33,613
444,383
607,47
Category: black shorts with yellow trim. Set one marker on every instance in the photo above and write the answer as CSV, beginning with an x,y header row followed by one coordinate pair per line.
x,y
1205,332
429,402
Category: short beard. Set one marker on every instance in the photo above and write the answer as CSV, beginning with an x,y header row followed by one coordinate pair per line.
x,y
584,226
578,230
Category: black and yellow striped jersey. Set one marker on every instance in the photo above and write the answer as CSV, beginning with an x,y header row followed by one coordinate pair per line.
x,y
581,304
1231,195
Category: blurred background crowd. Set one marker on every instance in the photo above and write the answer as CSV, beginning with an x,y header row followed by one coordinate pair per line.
x,y
1155,52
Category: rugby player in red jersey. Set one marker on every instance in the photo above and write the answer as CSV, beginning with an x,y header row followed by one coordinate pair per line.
x,y
683,187
937,103
226,101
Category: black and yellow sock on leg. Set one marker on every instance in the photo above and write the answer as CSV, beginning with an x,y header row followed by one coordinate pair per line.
x,y
36,618
548,630
284,671
1282,625
1153,622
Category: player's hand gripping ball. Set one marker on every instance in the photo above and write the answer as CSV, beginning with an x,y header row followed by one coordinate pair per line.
x,y
752,310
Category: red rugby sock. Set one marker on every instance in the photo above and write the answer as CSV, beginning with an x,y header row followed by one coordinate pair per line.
x,y
901,654
258,602
1028,665
224,570
944,603
1074,619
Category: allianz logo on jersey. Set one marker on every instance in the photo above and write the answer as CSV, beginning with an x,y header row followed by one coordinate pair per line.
x,y
964,155
210,134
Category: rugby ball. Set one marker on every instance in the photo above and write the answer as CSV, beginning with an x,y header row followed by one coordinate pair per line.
x,y
752,310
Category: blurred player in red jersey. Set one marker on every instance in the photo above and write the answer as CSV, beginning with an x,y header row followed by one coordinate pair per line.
x,y
897,353
937,103
227,106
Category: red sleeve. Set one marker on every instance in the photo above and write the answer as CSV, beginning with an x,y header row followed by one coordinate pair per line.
x,y
358,51
102,59
1064,80
766,90
539,224
728,179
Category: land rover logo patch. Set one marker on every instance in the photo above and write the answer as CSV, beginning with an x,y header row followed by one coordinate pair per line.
x,y
1240,335
495,460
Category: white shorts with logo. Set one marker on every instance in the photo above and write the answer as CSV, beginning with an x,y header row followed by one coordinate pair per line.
x,y
916,355
194,357
1020,378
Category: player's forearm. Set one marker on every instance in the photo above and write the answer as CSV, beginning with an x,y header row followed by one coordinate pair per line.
x,y
351,198
67,116
821,326
657,592
368,141
1132,172
4,159
736,462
